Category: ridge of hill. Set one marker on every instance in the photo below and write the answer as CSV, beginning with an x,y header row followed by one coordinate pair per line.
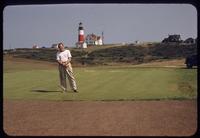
x,y
106,55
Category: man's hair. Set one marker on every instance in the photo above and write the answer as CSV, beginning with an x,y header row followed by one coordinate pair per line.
x,y
60,44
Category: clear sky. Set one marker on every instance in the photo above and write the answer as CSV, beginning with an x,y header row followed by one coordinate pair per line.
x,y
44,25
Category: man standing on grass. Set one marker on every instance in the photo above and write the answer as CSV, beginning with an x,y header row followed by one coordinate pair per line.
x,y
65,68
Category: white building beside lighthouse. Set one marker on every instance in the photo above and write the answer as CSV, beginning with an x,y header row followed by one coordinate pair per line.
x,y
92,39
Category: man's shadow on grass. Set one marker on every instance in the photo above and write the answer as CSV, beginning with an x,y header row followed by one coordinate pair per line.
x,y
44,91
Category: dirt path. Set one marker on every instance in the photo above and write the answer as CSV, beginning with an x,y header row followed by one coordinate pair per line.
x,y
127,118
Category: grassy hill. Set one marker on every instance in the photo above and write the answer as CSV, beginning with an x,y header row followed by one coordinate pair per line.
x,y
106,55
139,54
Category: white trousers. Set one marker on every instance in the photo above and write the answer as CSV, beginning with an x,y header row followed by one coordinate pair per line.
x,y
67,71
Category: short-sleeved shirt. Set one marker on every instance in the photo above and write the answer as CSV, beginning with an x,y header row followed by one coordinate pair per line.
x,y
63,56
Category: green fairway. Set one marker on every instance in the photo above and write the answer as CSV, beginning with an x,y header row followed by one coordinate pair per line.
x,y
101,83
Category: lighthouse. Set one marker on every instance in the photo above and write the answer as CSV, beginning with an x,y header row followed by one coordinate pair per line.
x,y
81,40
80,33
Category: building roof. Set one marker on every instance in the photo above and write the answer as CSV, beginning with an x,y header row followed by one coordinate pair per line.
x,y
190,40
93,37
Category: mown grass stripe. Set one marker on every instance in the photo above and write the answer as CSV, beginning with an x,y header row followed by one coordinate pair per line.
x,y
104,84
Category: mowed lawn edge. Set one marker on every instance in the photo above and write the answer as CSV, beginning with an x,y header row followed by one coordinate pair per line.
x,y
38,82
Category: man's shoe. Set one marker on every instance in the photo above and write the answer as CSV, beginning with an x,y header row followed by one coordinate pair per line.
x,y
75,91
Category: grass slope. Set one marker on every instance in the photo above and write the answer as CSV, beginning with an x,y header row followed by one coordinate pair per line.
x,y
109,54
100,83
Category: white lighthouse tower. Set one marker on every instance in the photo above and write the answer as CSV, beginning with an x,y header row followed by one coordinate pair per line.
x,y
81,40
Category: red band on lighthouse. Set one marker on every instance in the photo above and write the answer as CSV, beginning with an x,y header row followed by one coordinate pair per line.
x,y
81,38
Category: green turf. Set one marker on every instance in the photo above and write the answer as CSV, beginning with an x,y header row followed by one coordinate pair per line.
x,y
102,83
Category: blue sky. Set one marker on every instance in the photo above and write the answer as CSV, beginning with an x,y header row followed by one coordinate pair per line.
x,y
26,25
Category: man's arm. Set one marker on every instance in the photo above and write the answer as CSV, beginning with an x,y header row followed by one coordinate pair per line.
x,y
58,59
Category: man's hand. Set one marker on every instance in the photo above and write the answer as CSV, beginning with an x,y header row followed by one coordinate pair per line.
x,y
65,64
60,62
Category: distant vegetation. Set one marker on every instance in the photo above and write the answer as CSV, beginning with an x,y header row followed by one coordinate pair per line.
x,y
130,54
